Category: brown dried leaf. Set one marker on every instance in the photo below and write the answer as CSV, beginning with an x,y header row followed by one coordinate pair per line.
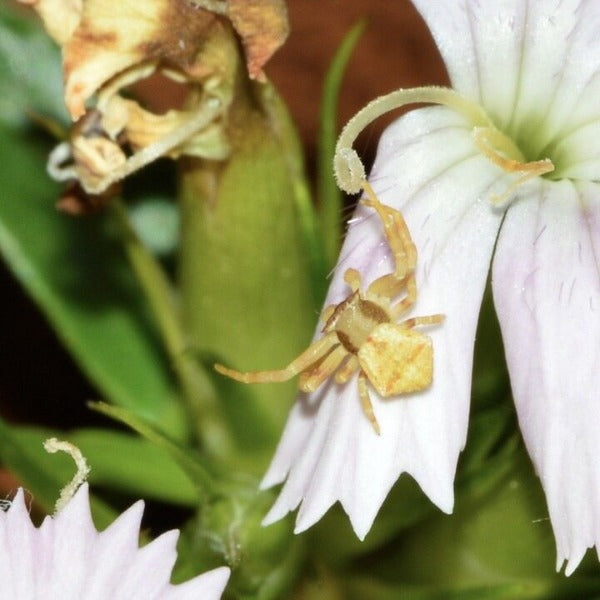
x,y
263,26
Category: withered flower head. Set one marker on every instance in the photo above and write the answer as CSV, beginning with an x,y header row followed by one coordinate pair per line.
x,y
109,46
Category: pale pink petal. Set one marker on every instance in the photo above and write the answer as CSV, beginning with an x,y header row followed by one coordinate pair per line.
x,y
67,558
17,563
159,556
532,64
329,450
115,550
208,586
547,291
63,576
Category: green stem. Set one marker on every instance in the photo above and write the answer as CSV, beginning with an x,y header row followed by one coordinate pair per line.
x,y
312,232
197,388
329,195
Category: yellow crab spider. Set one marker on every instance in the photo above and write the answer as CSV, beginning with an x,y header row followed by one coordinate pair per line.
x,y
361,333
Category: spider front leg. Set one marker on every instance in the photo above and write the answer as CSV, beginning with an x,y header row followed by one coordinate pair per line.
x,y
399,240
311,355
411,297
405,257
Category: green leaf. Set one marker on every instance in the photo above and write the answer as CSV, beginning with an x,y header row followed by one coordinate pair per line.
x,y
190,462
118,461
75,270
366,588
42,474
30,69
308,219
330,197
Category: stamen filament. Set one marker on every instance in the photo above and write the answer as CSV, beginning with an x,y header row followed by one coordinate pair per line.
x,y
53,445
488,142
349,170
493,143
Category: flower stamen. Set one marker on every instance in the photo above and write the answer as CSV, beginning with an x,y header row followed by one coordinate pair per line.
x,y
53,445
494,145
348,168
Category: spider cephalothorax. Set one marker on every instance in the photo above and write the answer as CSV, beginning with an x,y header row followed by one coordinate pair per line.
x,y
361,333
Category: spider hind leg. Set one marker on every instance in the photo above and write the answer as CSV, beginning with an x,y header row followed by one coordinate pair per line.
x,y
311,355
311,379
365,402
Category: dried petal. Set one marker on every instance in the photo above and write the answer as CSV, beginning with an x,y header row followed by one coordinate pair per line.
x,y
111,38
263,27
60,17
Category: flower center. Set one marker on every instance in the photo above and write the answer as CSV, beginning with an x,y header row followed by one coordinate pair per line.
x,y
495,145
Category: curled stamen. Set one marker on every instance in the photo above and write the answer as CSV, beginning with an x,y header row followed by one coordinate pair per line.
x,y
490,145
348,168
53,445
493,144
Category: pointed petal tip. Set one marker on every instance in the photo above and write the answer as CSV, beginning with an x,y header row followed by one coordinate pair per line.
x,y
271,479
445,500
167,541
439,488
361,528
572,563
215,580
275,514
17,504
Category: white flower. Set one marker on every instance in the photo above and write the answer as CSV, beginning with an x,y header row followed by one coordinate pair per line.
x,y
67,559
534,68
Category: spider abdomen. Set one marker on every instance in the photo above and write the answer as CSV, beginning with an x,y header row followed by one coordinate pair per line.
x,y
397,360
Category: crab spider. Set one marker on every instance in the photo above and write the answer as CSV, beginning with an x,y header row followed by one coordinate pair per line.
x,y
361,333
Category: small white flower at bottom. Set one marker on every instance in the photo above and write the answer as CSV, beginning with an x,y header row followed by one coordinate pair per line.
x,y
67,558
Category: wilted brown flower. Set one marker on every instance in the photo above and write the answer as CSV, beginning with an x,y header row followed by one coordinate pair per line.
x,y
108,46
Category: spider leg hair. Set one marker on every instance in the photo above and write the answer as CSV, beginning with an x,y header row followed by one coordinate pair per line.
x,y
311,380
311,355
365,401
